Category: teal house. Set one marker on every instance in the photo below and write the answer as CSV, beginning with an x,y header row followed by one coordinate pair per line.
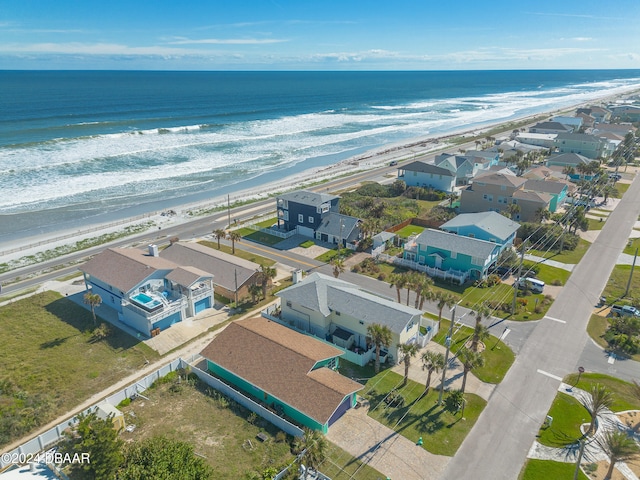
x,y
489,226
291,373
468,258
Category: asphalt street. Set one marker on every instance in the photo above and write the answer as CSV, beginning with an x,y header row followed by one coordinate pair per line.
x,y
498,444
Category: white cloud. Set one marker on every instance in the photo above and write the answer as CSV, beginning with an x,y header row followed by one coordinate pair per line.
x,y
91,49
227,41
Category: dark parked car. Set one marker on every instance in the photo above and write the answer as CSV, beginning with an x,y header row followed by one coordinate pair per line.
x,y
624,311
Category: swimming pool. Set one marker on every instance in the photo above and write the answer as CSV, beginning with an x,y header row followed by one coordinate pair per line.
x,y
146,302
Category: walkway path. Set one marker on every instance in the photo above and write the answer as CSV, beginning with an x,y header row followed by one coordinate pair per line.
x,y
593,452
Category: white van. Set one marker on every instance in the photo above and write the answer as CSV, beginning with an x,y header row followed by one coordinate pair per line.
x,y
535,285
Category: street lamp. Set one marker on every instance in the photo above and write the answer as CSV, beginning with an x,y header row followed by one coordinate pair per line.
x,y
580,372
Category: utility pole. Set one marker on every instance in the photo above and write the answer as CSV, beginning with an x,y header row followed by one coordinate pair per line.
x,y
580,452
633,266
229,211
515,283
446,355
235,274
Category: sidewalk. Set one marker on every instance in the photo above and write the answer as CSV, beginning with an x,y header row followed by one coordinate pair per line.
x,y
593,453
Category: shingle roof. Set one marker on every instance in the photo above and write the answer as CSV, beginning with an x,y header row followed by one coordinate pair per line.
x,y
451,242
337,224
423,167
307,197
499,179
223,266
568,159
546,186
322,293
532,196
125,268
187,276
491,222
279,360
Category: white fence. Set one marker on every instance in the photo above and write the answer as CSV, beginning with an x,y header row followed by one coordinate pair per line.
x,y
52,436
271,231
447,275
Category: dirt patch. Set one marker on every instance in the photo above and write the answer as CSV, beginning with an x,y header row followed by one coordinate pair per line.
x,y
630,419
312,252
603,466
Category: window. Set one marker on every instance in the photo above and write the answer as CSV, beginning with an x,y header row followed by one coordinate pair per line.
x,y
488,198
288,303
286,215
514,201
415,174
472,235
503,187
454,255
300,218
360,322
337,313
310,219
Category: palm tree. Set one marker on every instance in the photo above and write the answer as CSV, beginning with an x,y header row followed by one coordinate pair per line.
x,y
234,237
93,300
422,286
399,281
312,448
408,351
635,390
609,191
380,336
469,360
255,290
601,399
568,171
338,266
433,362
444,299
452,197
542,214
620,447
483,311
266,275
480,334
219,233
413,279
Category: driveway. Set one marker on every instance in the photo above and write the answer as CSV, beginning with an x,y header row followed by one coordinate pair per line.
x,y
383,449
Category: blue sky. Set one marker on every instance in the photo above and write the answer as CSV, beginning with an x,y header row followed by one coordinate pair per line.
x,y
319,34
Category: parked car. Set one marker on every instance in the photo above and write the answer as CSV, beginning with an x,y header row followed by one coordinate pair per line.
x,y
624,311
393,163
615,176
535,285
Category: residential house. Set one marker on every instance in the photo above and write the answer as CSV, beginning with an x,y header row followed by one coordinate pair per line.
x,y
446,251
340,312
550,127
589,146
600,114
149,293
292,373
626,113
232,275
460,165
427,175
558,191
546,140
587,120
488,226
566,160
497,191
574,122
316,215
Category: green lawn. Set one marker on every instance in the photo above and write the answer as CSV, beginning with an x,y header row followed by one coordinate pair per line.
x,y
441,431
307,244
618,280
340,465
596,224
596,329
622,392
51,362
239,253
567,256
330,254
409,230
622,189
568,414
548,274
267,223
498,357
549,470
632,245
258,237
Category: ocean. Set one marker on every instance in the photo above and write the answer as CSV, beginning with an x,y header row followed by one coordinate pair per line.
x,y
80,147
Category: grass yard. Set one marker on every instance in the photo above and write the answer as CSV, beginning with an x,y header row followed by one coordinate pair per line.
x,y
596,224
632,245
223,432
307,244
330,254
252,257
622,189
567,256
547,470
568,414
257,236
498,357
51,361
596,329
548,274
618,282
623,398
409,230
442,432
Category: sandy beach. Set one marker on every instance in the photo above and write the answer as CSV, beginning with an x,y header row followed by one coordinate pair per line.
x,y
416,148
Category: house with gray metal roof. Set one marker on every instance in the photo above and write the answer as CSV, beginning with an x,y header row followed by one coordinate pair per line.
x,y
427,175
465,257
148,293
340,312
489,226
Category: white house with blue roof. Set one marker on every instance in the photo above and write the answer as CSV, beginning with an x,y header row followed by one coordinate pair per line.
x,y
488,226
339,312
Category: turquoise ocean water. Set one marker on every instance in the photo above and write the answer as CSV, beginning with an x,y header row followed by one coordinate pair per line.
x,y
92,146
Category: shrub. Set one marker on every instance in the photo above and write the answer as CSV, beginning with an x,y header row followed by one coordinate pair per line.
x,y
382,276
124,403
557,282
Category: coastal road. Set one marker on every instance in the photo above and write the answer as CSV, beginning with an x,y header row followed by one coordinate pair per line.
x,y
498,444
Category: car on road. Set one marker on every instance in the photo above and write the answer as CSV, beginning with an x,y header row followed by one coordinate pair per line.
x,y
624,311
393,163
